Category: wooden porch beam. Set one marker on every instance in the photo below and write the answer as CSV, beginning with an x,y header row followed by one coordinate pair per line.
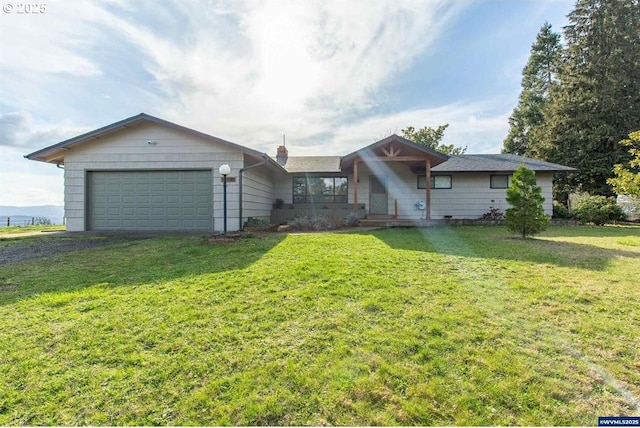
x,y
394,159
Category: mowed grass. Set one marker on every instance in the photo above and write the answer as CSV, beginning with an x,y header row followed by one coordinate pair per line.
x,y
434,326
5,230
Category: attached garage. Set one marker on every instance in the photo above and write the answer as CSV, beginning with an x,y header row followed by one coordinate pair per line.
x,y
150,200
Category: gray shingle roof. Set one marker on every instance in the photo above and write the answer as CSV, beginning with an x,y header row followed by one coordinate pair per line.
x,y
498,162
313,164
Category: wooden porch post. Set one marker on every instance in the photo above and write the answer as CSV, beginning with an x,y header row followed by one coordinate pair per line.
x,y
428,190
355,185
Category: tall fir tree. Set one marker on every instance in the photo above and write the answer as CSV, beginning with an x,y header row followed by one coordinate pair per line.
x,y
526,215
597,100
538,76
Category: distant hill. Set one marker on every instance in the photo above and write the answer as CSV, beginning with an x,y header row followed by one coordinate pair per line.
x,y
21,216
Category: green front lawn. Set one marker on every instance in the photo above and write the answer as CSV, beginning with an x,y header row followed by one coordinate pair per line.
x,y
434,326
10,230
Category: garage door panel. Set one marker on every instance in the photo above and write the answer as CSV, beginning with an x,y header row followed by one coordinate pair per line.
x,y
150,200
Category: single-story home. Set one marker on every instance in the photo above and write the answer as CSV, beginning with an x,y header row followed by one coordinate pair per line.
x,y
144,173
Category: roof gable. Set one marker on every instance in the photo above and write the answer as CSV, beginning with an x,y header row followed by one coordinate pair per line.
x,y
378,149
396,148
57,151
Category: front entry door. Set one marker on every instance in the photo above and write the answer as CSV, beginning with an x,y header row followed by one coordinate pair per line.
x,y
378,200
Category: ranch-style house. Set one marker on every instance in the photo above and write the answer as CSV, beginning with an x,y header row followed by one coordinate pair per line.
x,y
147,174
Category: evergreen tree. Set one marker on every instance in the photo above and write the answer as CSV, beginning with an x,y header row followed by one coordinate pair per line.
x,y
538,76
597,101
526,215
432,139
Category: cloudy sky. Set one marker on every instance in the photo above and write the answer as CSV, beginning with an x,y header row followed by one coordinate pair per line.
x,y
332,75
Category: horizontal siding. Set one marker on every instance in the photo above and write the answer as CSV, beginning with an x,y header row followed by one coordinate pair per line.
x,y
470,196
545,181
257,194
135,140
128,150
283,188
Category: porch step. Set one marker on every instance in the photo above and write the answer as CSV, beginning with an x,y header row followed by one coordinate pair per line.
x,y
391,222
379,217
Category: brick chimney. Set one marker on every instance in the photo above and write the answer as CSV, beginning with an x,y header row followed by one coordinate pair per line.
x,y
282,155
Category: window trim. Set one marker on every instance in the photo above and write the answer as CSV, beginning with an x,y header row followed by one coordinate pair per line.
x,y
433,182
491,185
308,198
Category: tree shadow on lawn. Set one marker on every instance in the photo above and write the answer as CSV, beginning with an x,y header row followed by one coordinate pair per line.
x,y
121,261
495,243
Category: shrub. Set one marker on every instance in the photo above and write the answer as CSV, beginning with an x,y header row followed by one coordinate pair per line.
x,y
597,210
315,223
493,214
256,222
561,211
353,219
42,221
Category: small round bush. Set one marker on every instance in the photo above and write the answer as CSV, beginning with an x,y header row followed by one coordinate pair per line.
x,y
561,211
315,223
352,220
598,210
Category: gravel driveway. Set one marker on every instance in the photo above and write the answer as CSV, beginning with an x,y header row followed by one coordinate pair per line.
x,y
32,249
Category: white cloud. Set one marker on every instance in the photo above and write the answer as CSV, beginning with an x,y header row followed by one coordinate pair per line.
x,y
318,71
294,67
21,130
247,70
25,183
479,126
49,42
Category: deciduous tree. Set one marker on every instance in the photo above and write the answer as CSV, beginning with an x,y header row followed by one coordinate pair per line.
x,y
432,138
627,179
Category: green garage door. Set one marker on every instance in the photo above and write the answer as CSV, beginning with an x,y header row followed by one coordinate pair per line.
x,y
150,200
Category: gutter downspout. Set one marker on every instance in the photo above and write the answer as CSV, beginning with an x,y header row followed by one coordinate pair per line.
x,y
264,161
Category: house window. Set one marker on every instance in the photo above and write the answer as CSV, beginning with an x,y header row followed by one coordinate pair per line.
x,y
500,181
437,182
320,190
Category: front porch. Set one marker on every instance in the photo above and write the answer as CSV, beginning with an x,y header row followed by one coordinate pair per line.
x,y
389,169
